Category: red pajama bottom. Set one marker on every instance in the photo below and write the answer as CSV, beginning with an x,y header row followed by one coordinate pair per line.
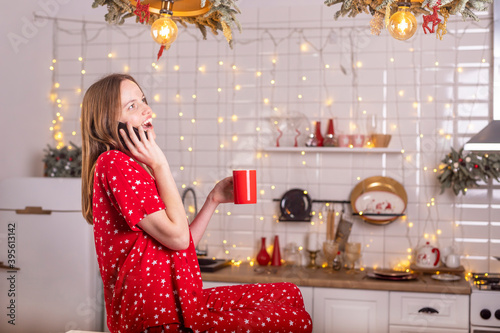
x,y
253,308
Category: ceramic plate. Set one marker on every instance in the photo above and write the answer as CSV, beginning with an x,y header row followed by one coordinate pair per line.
x,y
382,196
295,205
446,277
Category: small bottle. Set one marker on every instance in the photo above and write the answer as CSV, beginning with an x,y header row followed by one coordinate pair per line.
x,y
337,262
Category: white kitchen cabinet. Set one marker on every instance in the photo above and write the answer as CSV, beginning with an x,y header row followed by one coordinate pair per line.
x,y
350,310
307,293
428,312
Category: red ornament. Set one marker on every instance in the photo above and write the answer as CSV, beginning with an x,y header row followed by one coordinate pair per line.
x,y
434,18
460,160
263,257
70,159
476,166
142,11
160,52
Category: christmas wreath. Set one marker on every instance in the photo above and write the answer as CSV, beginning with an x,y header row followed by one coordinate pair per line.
x,y
462,172
63,162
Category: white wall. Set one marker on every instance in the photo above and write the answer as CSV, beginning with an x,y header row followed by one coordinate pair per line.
x,y
25,120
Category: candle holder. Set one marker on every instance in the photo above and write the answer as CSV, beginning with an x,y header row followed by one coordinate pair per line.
x,y
312,259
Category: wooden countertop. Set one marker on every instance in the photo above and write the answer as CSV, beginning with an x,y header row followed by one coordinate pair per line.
x,y
326,278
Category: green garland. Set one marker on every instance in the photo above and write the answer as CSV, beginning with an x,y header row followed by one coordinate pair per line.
x,y
220,17
64,162
462,172
351,8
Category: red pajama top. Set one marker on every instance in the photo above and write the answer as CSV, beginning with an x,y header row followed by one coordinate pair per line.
x,y
145,283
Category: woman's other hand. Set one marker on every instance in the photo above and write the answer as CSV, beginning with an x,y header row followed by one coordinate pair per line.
x,y
223,191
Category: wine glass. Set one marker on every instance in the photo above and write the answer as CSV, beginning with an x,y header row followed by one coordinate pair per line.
x,y
352,254
330,249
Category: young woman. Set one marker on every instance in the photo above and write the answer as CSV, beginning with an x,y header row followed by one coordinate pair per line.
x,y
145,246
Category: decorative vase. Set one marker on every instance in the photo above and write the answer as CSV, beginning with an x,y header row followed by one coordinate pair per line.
x,y
276,261
319,136
263,257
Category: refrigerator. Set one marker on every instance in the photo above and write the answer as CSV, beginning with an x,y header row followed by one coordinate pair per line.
x,y
49,279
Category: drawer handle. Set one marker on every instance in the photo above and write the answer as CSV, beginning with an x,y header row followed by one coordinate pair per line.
x,y
428,310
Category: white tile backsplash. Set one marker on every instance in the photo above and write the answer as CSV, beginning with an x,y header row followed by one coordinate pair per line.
x,y
429,94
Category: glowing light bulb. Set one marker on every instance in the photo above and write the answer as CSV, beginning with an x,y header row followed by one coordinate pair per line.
x,y
402,24
164,31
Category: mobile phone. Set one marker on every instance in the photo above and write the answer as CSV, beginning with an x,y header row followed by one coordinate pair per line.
x,y
124,127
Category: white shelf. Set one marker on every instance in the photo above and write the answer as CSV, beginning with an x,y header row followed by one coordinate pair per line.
x,y
332,150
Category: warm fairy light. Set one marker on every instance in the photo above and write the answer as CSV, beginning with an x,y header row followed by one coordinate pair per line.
x,y
426,236
221,145
181,168
181,114
273,82
401,93
228,213
415,105
391,60
360,98
409,250
448,137
235,138
234,67
153,115
460,69
221,62
195,183
181,138
304,78
327,66
358,178
237,87
201,69
58,101
302,152
410,224
190,148
266,100
262,192
258,155
258,73
183,185
421,135
257,129
483,61
273,187
220,120
304,162
54,121
438,231
156,97
434,170
193,121
299,96
436,63
304,47
329,102
425,168
234,117
110,55
83,71
219,89
54,61
394,126
51,68
274,60
359,64
57,85
430,99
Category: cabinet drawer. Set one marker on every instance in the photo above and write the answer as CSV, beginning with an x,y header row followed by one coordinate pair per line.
x,y
425,310
408,329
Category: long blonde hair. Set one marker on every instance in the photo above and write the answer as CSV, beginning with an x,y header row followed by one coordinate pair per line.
x,y
101,110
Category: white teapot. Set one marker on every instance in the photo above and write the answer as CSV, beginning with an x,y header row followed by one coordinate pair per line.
x,y
427,256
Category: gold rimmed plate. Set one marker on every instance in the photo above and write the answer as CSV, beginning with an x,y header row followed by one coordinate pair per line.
x,y
379,200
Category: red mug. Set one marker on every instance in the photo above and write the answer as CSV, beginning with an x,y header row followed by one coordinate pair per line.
x,y
245,186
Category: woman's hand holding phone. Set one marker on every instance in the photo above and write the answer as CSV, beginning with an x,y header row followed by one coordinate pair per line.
x,y
143,147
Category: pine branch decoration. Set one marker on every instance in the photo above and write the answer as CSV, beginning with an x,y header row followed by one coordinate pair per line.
x,y
465,8
220,17
460,172
64,162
